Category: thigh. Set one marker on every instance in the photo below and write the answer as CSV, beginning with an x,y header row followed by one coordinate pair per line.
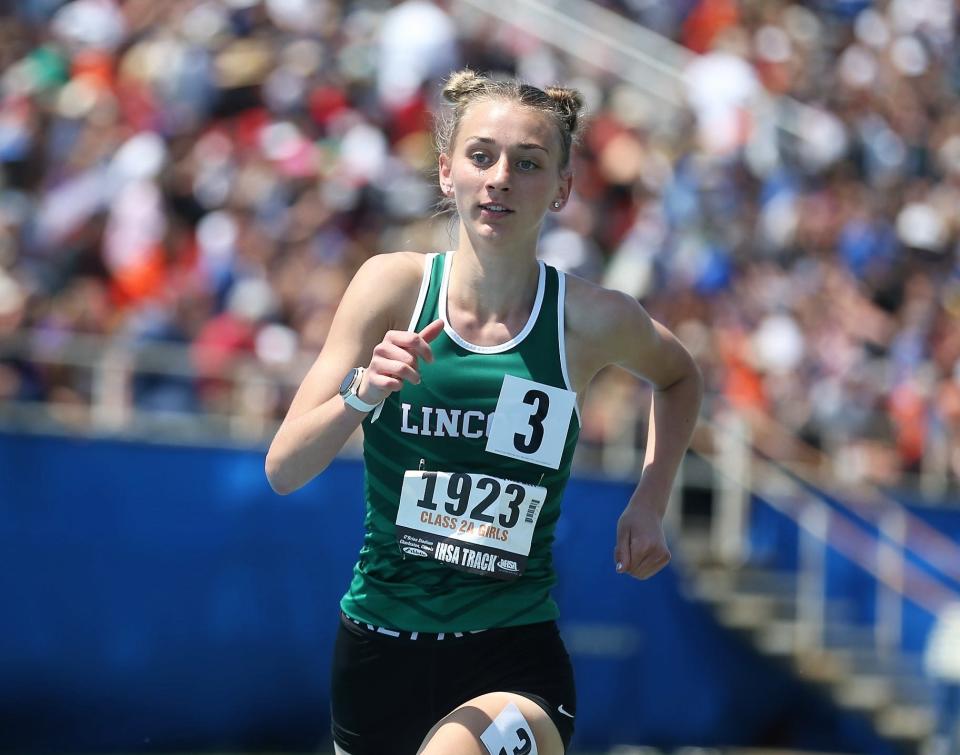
x,y
379,694
496,723
529,660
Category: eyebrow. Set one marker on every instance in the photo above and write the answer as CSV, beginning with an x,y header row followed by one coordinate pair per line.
x,y
524,145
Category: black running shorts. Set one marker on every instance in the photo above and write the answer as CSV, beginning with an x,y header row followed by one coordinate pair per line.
x,y
389,689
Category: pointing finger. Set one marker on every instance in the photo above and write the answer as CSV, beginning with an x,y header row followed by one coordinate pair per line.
x,y
430,332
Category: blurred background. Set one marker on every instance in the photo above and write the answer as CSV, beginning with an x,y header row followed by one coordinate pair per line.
x,y
186,188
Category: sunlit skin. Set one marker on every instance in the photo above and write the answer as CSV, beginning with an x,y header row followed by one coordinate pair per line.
x,y
506,154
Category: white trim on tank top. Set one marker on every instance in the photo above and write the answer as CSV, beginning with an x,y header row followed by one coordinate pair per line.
x,y
562,338
422,295
500,347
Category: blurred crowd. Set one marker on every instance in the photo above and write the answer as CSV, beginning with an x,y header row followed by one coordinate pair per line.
x,y
212,172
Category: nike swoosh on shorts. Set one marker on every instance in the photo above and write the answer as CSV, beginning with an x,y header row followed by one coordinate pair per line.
x,y
560,708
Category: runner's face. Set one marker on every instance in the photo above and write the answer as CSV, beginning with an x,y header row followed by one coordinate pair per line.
x,y
504,169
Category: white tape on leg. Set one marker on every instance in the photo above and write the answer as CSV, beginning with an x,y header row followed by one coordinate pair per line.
x,y
509,734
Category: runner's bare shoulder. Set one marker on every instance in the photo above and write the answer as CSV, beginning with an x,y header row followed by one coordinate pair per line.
x,y
594,316
388,284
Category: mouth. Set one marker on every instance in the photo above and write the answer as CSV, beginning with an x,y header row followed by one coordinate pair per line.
x,y
495,208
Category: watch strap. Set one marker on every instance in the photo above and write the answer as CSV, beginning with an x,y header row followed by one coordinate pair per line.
x,y
351,399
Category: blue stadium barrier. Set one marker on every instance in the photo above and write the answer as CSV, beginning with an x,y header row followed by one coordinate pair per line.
x,y
774,543
162,598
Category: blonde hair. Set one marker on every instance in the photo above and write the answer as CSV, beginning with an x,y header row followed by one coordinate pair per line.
x,y
466,87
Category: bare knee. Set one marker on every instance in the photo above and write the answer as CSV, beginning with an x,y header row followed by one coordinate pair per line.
x,y
487,721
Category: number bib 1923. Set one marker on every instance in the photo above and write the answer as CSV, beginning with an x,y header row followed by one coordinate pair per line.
x,y
472,522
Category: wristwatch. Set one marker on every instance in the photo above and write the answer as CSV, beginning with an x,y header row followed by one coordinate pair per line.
x,y
348,391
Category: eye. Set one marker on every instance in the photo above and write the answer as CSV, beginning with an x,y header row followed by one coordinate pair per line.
x,y
527,165
480,158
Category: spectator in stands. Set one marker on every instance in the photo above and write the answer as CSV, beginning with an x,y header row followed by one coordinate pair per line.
x,y
150,154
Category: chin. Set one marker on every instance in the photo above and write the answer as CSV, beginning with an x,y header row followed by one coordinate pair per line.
x,y
492,232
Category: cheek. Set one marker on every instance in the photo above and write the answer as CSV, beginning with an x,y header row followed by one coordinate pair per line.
x,y
466,176
546,185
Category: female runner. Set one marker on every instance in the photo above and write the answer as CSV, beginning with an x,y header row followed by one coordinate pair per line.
x,y
467,370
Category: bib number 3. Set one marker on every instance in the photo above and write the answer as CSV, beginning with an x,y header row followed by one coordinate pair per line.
x,y
531,421
525,747
530,445
509,734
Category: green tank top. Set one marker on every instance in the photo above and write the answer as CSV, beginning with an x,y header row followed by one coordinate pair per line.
x,y
464,474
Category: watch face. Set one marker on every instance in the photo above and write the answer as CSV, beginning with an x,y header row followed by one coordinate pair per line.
x,y
347,382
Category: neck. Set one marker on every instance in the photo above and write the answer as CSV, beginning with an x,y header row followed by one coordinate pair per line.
x,y
493,283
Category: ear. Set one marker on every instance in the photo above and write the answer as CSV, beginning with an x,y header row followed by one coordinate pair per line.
x,y
445,178
565,185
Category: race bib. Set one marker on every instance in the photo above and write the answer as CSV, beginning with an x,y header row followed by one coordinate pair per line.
x,y
472,522
531,421
509,734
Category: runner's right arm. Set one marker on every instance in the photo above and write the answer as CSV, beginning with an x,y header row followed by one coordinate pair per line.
x,y
378,301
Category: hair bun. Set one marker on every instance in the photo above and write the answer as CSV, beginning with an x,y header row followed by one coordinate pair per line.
x,y
463,88
568,102
462,84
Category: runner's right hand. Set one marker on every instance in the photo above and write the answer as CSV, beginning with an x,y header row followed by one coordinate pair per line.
x,y
395,360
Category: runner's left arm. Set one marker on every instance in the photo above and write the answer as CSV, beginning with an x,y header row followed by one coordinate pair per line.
x,y
644,347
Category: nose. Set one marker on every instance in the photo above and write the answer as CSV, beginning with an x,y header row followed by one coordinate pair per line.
x,y
498,176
